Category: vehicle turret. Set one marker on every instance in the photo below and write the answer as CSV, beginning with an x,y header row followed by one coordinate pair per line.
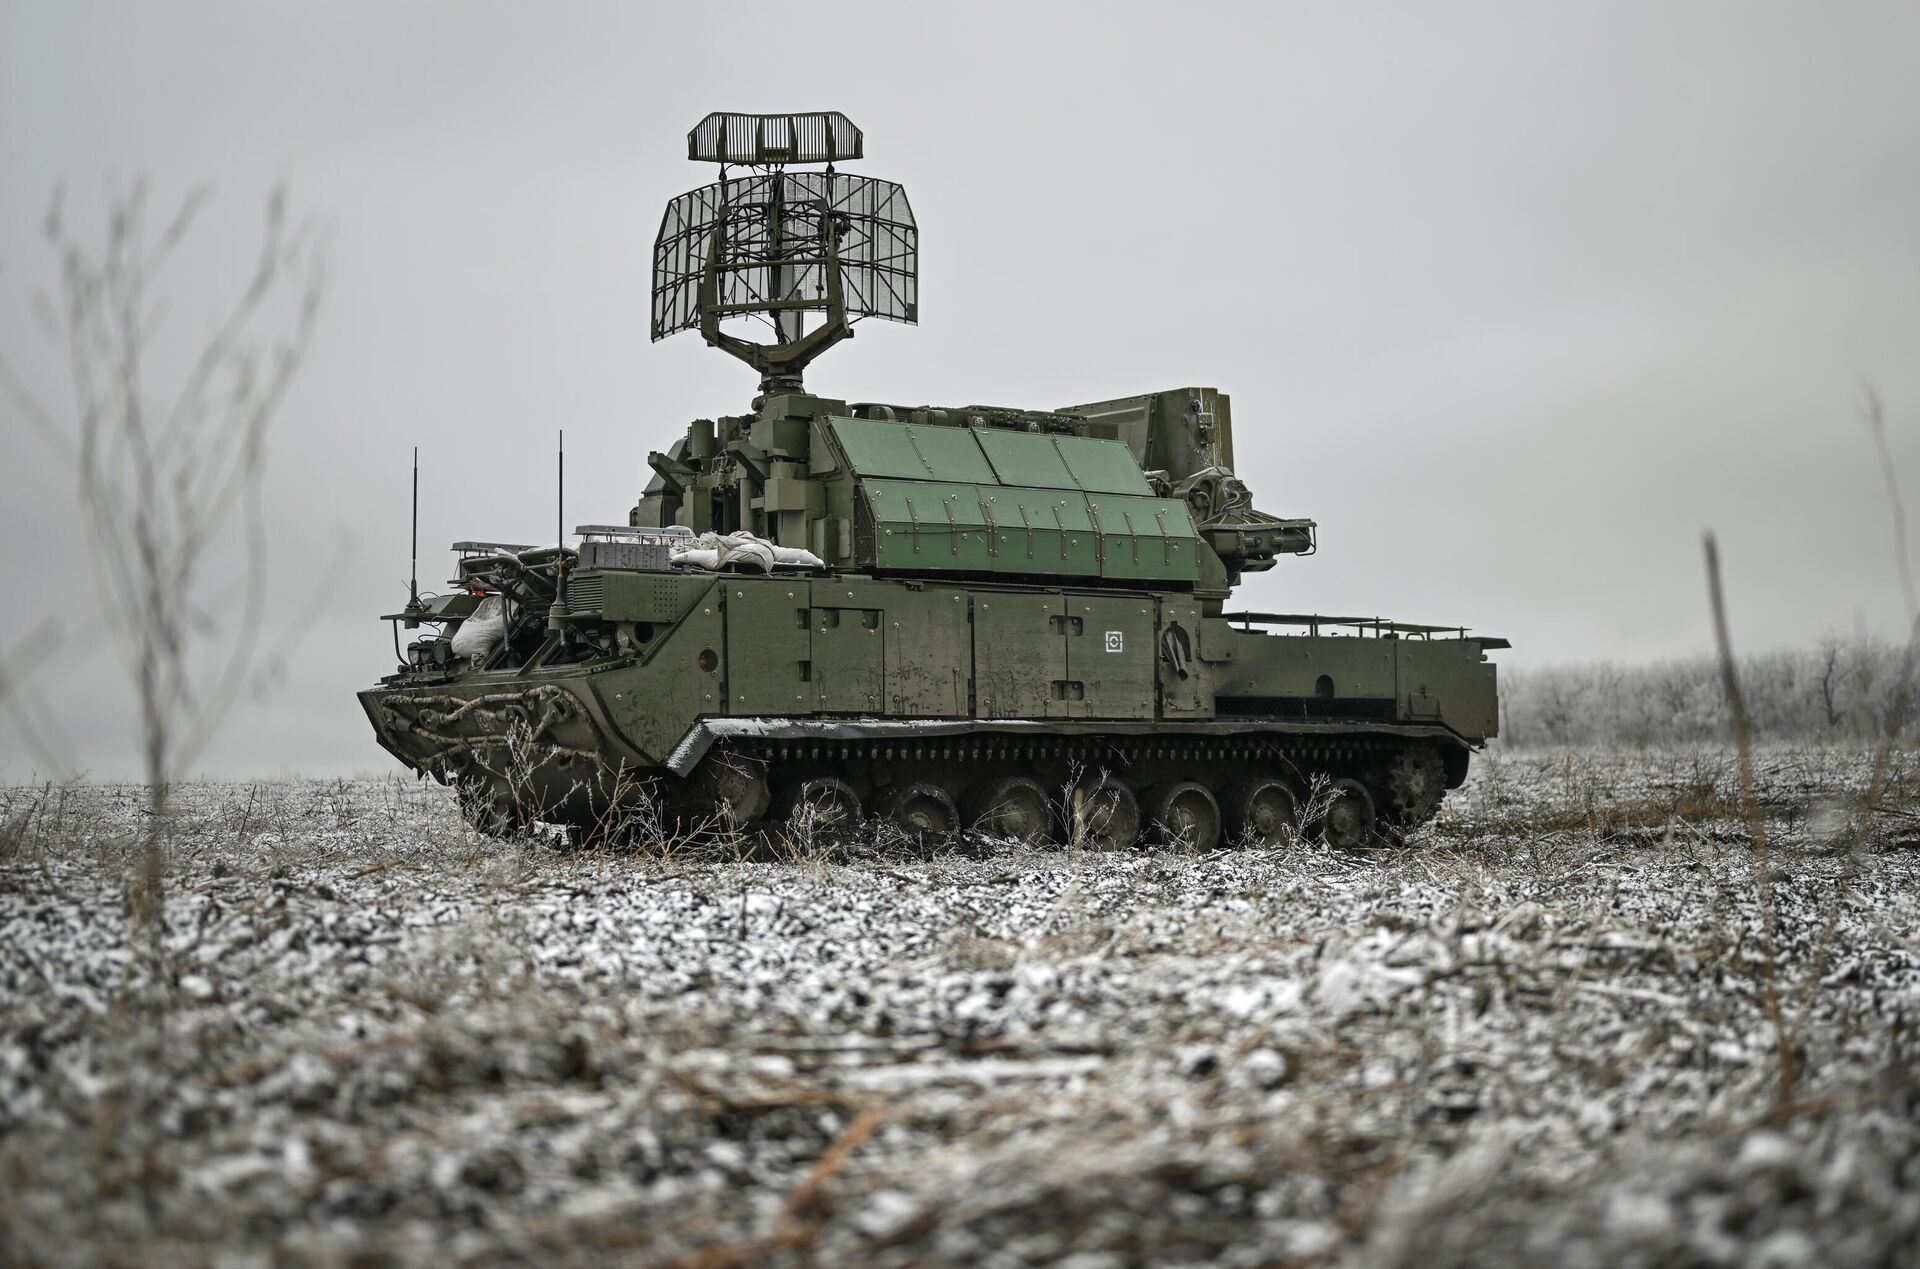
x,y
1135,491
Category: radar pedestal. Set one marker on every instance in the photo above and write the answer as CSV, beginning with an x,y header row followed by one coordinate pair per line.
x,y
804,253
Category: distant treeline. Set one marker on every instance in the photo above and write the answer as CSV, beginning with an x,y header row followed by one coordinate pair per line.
x,y
1842,691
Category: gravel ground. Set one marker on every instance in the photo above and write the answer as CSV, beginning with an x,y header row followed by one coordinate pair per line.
x,y
1540,1033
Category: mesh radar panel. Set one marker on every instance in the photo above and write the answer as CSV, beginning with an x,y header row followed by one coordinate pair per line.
x,y
777,237
819,137
806,253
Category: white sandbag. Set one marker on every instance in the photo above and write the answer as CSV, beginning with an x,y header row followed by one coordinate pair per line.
x,y
747,553
800,557
481,633
742,551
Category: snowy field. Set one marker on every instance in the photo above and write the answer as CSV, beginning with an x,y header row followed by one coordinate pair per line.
x,y
1540,1033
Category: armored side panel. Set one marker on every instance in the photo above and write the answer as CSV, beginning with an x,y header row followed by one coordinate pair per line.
x,y
1180,432
981,501
929,653
621,596
1019,658
770,647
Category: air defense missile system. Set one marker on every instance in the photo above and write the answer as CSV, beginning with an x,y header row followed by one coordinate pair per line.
x,y
965,617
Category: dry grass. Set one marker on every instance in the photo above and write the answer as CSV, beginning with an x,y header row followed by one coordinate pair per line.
x,y
1534,1035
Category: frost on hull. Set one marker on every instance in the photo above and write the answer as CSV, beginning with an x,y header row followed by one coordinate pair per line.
x,y
533,753
929,613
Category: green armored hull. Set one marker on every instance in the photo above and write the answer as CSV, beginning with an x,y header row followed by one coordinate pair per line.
x,y
1013,620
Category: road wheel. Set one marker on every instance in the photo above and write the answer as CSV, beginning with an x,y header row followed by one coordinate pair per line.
x,y
1416,781
1013,806
1187,814
921,809
737,785
1103,814
1349,820
824,804
1264,811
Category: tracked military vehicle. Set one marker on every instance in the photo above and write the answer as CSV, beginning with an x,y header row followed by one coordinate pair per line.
x,y
1012,620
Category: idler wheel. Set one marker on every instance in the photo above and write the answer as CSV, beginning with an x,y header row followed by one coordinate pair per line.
x,y
730,780
921,809
823,804
1103,814
1264,811
1015,807
1416,781
1187,814
1348,823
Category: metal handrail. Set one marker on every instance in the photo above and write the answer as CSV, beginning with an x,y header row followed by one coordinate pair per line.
x,y
1366,627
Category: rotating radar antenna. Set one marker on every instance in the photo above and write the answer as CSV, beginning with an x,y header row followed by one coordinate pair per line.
x,y
804,253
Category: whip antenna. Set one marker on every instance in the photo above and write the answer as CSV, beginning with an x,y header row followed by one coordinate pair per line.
x,y
557,614
414,607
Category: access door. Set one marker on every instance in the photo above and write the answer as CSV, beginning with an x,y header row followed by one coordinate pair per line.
x,y
769,662
1110,655
849,648
1019,656
929,652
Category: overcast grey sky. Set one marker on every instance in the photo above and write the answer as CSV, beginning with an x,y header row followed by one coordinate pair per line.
x,y
1514,298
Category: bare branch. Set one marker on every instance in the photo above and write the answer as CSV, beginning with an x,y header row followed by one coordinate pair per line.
x,y
160,487
29,716
37,416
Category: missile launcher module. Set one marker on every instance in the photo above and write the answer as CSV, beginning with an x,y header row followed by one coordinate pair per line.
x,y
1009,620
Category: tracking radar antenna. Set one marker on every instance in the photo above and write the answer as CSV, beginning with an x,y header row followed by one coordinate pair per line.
x,y
781,247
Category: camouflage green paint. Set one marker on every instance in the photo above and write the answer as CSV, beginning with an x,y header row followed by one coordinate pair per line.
x,y
986,572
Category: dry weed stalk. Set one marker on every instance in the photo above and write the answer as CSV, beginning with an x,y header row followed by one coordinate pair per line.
x,y
1762,859
793,1231
1899,711
163,471
1787,1038
35,723
1071,808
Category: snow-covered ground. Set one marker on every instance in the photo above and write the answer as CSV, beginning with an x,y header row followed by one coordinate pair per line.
x,y
1539,1033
